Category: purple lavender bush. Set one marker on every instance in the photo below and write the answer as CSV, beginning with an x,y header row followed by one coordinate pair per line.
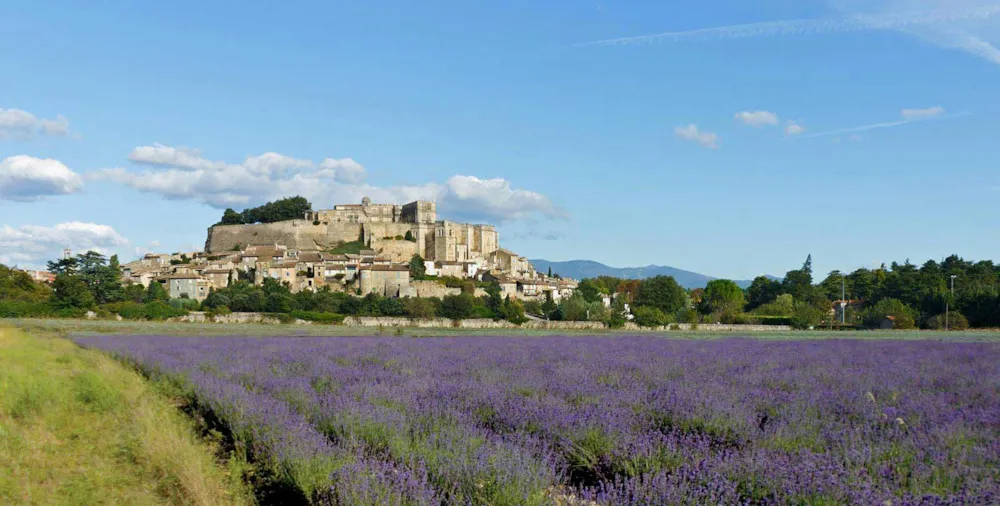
x,y
615,421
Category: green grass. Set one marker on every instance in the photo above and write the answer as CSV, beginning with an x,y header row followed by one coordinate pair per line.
x,y
78,428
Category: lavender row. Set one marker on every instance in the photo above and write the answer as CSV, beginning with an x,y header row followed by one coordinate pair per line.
x,y
631,420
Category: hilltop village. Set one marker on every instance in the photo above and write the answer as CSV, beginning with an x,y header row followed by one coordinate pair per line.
x,y
384,249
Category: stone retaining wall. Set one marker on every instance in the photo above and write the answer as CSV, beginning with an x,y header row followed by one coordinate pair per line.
x,y
427,323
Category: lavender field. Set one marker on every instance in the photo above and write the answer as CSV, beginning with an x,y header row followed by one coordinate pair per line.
x,y
602,420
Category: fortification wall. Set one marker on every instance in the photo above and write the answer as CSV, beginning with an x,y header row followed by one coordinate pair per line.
x,y
397,251
296,234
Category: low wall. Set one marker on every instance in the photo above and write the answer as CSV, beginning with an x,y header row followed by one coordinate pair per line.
x,y
201,317
482,323
385,321
710,327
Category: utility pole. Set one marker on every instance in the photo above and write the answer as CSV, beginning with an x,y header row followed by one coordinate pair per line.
x,y
843,299
947,305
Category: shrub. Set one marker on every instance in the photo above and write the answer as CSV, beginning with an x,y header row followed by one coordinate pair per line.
x,y
23,309
955,321
646,316
805,316
457,307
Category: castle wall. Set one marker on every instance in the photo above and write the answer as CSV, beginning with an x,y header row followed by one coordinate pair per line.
x,y
397,251
296,234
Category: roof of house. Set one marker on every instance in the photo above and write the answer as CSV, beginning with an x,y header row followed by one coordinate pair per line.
x,y
398,268
217,271
177,276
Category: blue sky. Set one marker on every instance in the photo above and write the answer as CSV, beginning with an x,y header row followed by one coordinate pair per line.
x,y
145,121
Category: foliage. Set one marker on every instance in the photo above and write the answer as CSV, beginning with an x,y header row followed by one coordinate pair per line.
x,y
762,291
805,316
900,313
18,285
293,208
590,290
349,248
783,305
417,267
457,307
70,292
156,292
722,296
953,320
577,308
651,317
661,292
318,317
415,307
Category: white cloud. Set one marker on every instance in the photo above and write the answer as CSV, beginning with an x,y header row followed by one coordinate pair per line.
x,y
344,170
757,118
794,128
182,174
33,245
692,133
23,124
475,197
26,178
967,25
274,163
912,114
168,156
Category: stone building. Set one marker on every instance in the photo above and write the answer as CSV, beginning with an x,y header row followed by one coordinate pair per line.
x,y
391,230
385,280
181,286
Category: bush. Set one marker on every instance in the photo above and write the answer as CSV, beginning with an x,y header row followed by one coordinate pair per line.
x,y
773,320
805,316
646,316
23,309
457,307
955,321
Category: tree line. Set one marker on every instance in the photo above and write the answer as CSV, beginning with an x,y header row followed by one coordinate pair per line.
x,y
904,294
292,208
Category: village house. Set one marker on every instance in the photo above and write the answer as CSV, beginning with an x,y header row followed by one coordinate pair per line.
x,y
384,280
184,286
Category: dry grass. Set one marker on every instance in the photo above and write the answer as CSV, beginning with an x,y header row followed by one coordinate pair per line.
x,y
78,428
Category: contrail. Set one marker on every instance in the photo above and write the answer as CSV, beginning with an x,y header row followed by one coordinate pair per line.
x,y
877,126
856,23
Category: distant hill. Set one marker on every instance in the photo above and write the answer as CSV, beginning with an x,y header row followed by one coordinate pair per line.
x,y
580,269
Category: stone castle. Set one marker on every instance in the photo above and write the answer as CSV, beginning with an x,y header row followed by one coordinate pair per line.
x,y
305,254
394,231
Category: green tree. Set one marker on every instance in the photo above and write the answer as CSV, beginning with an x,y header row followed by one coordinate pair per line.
x,y
663,293
417,307
589,289
761,291
17,285
230,217
70,292
417,267
784,305
805,315
156,292
901,314
722,296
457,307
549,307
